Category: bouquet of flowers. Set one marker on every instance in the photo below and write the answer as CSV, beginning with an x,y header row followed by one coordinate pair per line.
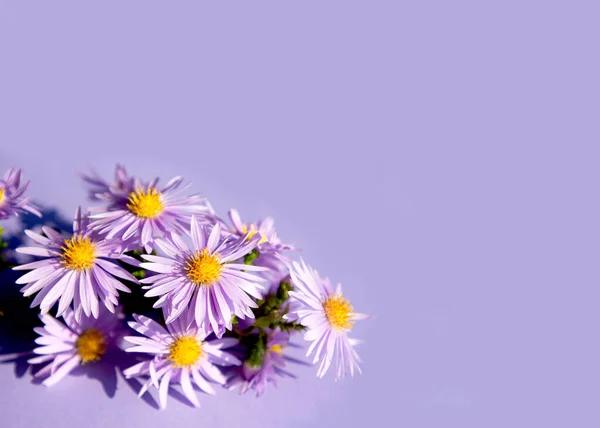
x,y
198,299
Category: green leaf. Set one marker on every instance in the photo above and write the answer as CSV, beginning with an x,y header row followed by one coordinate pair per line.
x,y
249,258
139,274
257,344
284,287
263,322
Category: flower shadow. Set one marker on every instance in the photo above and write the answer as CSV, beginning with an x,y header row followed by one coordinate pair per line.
x,y
127,360
104,371
17,321
17,318
148,397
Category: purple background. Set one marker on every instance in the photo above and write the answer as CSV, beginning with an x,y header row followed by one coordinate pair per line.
x,y
438,158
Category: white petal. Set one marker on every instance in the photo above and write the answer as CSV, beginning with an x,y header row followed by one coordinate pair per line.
x,y
202,383
36,251
186,386
164,390
215,235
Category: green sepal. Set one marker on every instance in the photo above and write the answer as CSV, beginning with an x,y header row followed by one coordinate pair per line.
x,y
249,258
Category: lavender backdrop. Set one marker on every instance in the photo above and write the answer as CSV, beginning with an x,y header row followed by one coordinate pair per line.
x,y
438,158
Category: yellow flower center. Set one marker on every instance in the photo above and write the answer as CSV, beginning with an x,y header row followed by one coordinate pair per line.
x,y
204,268
91,345
185,351
1,195
278,349
145,204
338,311
253,231
79,253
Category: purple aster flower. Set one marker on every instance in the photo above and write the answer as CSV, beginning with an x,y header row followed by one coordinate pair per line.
x,y
203,278
256,375
180,354
328,317
75,269
63,347
114,195
265,229
269,246
12,201
148,212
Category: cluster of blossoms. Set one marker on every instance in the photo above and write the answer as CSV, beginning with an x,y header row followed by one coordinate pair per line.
x,y
224,296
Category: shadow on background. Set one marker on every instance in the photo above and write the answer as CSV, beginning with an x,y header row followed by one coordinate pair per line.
x,y
18,319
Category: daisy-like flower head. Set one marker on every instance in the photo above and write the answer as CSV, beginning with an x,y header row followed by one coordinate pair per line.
x,y
76,269
148,212
203,278
179,354
328,317
265,229
264,364
63,347
12,201
114,195
270,248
